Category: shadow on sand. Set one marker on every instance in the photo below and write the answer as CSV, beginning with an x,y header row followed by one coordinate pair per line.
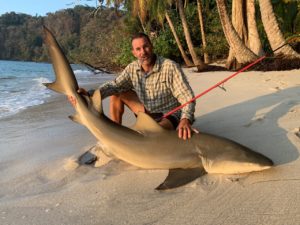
x,y
257,123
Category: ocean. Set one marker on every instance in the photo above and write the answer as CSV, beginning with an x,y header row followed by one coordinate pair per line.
x,y
21,84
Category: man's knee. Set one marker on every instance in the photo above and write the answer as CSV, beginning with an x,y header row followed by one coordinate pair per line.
x,y
167,124
115,99
171,122
116,104
131,100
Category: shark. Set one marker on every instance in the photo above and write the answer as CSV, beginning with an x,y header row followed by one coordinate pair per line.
x,y
146,144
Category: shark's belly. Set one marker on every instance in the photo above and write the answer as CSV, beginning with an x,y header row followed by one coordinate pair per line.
x,y
227,166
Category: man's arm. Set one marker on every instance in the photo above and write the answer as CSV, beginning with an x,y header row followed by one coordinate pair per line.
x,y
184,93
119,84
182,90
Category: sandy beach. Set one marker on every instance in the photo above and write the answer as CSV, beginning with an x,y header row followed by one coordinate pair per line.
x,y
42,183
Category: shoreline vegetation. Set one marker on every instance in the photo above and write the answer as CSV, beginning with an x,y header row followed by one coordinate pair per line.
x,y
100,38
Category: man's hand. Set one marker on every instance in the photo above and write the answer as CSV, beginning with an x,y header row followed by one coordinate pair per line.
x,y
185,129
80,91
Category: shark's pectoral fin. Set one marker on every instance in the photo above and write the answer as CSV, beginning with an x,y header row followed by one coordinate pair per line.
x,y
76,118
97,101
180,177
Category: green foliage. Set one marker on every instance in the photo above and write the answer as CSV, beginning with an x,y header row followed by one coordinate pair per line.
x,y
13,19
286,12
125,56
297,23
82,36
165,45
19,36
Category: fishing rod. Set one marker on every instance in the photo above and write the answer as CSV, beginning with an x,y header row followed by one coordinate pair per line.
x,y
289,40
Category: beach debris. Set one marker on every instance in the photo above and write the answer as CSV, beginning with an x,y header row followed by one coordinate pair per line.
x,y
87,158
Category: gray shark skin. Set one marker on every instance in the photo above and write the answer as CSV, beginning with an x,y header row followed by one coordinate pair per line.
x,y
147,145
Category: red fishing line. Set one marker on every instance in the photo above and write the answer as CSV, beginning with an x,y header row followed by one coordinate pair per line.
x,y
216,85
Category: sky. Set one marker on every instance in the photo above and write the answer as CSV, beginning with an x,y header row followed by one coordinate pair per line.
x,y
40,7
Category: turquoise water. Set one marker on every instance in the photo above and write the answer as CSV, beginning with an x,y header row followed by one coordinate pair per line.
x,y
21,84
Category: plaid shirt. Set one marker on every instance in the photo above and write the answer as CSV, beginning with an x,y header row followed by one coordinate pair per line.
x,y
160,90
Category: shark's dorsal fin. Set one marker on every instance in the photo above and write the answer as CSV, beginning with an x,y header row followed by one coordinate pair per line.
x,y
97,101
146,124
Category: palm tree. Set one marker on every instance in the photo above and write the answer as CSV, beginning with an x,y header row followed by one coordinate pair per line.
x,y
203,36
240,50
273,31
243,20
238,22
158,9
196,60
254,42
140,9
186,59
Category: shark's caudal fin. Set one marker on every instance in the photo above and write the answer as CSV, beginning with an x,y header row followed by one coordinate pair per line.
x,y
65,78
55,86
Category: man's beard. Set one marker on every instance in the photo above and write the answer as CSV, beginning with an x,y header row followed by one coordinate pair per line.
x,y
147,60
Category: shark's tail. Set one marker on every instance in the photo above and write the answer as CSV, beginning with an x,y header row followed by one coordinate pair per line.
x,y
55,86
65,82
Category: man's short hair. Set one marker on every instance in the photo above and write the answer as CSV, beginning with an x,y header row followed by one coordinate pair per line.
x,y
141,35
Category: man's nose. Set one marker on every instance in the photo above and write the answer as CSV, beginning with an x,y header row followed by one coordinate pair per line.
x,y
142,51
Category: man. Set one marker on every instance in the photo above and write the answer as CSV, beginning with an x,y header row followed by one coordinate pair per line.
x,y
153,85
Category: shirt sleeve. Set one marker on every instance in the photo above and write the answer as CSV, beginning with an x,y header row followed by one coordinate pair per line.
x,y
183,92
120,84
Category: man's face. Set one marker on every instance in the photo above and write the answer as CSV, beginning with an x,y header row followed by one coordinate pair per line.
x,y
142,49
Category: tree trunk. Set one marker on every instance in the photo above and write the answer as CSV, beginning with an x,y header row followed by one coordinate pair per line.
x,y
184,56
238,19
254,42
186,2
196,60
142,23
240,50
273,31
203,36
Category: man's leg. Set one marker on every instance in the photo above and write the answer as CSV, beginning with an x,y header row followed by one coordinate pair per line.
x,y
165,123
131,100
117,102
